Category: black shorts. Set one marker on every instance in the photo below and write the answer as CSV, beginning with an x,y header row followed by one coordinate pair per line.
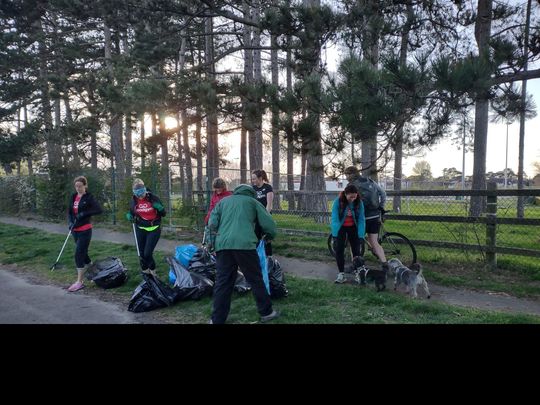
x,y
373,225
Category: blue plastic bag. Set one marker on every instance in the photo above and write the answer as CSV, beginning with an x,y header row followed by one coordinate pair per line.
x,y
172,276
184,253
264,264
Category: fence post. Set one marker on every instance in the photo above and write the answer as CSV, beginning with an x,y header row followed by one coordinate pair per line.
x,y
113,184
491,227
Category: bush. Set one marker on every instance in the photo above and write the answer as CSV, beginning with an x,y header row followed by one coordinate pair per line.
x,y
18,194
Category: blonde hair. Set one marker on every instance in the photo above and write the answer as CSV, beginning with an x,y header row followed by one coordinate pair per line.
x,y
137,182
81,179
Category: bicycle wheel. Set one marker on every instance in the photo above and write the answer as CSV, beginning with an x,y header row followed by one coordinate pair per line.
x,y
397,246
331,242
331,245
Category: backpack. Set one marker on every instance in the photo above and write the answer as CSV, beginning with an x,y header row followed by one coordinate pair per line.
x,y
369,193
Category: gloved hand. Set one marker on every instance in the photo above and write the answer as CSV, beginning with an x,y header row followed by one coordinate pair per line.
x,y
158,206
129,216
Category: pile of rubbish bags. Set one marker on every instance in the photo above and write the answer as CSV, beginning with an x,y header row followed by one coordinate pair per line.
x,y
192,274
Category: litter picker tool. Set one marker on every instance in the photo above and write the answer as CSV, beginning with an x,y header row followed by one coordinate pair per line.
x,y
53,267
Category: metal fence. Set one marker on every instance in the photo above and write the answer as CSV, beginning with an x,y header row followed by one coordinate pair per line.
x,y
431,218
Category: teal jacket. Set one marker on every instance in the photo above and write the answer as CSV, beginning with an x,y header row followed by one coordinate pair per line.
x,y
338,218
234,218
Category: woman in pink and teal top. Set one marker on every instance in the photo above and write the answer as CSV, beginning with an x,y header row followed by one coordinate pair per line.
x,y
348,223
83,205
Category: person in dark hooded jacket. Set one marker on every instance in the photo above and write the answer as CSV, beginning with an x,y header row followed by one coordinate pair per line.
x,y
83,205
146,211
233,221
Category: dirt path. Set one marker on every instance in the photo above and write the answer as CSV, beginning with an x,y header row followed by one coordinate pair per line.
x,y
310,269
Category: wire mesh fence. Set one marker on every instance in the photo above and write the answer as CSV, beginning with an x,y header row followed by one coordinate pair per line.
x,y
438,219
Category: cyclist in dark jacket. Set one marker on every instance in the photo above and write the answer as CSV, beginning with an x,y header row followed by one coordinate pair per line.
x,y
82,206
374,198
146,211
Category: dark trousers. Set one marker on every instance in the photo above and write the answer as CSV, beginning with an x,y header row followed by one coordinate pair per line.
x,y
147,243
82,241
349,233
267,245
227,266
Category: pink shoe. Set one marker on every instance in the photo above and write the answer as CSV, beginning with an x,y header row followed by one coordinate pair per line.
x,y
76,287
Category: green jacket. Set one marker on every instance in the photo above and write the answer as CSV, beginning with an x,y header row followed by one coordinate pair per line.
x,y
234,218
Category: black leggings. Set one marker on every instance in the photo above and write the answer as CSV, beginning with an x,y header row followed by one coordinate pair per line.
x,y
346,233
82,241
147,243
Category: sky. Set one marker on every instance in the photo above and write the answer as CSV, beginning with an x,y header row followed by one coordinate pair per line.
x,y
444,154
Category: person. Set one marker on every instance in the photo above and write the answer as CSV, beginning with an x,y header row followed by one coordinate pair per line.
x,y
146,211
373,197
81,208
233,221
265,195
348,223
220,192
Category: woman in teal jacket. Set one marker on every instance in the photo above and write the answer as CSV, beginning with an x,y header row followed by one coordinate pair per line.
x,y
348,223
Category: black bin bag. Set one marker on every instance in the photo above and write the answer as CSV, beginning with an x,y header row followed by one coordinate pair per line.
x,y
278,289
203,263
188,285
151,294
107,273
241,285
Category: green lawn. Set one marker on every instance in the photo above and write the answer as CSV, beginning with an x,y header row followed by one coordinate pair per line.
x,y
310,301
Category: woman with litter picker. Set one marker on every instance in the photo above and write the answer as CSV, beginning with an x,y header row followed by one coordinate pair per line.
x,y
146,211
82,206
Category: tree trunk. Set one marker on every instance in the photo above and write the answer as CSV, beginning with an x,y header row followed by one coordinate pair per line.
x,y
187,158
482,34
312,143
257,81
290,138
165,174
212,169
115,122
143,148
248,124
187,192
521,199
275,126
370,50
73,139
398,149
248,79
54,152
198,152
181,163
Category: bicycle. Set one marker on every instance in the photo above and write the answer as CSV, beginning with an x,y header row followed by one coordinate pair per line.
x,y
394,244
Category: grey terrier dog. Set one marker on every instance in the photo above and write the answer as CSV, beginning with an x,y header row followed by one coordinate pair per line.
x,y
412,277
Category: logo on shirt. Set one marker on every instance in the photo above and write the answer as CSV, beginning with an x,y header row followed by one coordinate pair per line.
x,y
144,207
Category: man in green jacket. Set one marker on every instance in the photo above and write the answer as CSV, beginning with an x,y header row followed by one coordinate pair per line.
x,y
233,220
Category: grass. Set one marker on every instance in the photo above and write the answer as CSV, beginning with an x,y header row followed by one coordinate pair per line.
x,y
309,301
